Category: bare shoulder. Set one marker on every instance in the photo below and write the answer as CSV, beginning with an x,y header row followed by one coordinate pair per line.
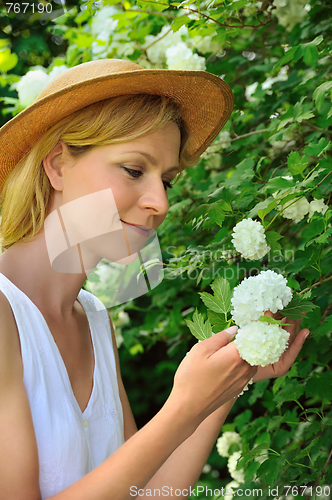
x,y
19,454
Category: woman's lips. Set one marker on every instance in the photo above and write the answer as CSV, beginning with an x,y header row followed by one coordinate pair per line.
x,y
139,229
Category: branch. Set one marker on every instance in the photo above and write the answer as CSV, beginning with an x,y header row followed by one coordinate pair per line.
x,y
326,176
314,127
146,48
155,13
314,285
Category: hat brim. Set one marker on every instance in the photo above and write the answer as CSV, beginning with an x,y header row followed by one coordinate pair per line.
x,y
205,99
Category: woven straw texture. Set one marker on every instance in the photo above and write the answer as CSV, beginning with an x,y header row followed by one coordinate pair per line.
x,y
206,102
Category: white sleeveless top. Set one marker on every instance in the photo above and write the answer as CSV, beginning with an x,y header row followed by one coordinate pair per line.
x,y
70,443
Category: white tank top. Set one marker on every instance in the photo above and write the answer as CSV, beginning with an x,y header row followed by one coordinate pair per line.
x,y
70,443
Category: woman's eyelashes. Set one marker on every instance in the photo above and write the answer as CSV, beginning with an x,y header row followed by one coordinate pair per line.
x,y
137,173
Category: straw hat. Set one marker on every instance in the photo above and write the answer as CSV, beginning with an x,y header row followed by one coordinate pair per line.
x,y
205,99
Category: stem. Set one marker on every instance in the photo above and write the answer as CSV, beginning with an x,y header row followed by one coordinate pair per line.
x,y
155,13
242,136
326,176
314,285
146,48
317,128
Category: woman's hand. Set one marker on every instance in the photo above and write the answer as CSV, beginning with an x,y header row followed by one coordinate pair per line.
x,y
210,375
295,343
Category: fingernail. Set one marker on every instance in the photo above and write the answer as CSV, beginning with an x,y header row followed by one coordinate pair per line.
x,y
231,330
306,335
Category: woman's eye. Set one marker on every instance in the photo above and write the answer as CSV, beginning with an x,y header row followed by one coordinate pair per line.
x,y
138,173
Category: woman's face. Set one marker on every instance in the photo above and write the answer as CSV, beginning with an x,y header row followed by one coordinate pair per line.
x,y
136,174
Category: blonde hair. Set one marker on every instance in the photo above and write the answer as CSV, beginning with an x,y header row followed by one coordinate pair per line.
x,y
27,194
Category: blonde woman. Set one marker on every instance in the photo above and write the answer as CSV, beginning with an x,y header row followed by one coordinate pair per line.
x,y
66,428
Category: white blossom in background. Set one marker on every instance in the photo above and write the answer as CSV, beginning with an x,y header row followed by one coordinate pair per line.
x,y
204,44
268,291
103,28
282,76
290,12
295,210
285,144
224,140
251,89
157,52
225,441
249,239
237,475
103,25
181,57
261,344
30,85
206,469
33,82
229,489
317,206
118,337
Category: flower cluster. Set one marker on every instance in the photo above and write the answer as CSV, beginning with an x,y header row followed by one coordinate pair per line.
x,y
261,344
268,291
180,56
237,475
225,441
317,206
295,210
249,239
290,12
33,82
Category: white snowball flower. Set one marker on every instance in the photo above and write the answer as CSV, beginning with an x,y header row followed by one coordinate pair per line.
x,y
203,44
181,57
257,294
317,206
225,441
295,210
251,89
224,139
229,489
249,239
31,85
238,475
281,77
157,52
261,344
103,25
290,12
56,71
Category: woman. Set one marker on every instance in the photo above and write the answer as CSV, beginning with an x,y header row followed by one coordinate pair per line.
x,y
67,430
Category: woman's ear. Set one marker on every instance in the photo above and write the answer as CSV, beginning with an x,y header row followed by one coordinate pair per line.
x,y
54,162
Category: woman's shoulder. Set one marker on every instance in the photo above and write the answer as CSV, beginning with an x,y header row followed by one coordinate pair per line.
x,y
10,350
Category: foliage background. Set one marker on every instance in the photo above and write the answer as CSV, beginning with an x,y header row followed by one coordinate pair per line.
x,y
276,56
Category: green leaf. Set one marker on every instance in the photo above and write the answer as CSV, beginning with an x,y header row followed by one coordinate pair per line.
x,y
222,293
310,55
320,384
269,470
314,228
297,307
316,149
211,302
270,320
262,212
218,322
8,60
319,94
292,54
198,328
296,163
291,392
272,239
216,214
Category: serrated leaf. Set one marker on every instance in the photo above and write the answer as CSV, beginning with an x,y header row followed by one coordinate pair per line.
x,y
272,239
269,470
310,55
218,322
211,302
319,94
222,294
296,163
198,328
297,307
292,54
262,212
316,149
